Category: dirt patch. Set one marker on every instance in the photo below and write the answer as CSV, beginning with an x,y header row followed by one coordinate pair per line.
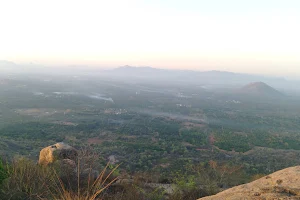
x,y
186,144
65,123
37,112
199,149
192,125
165,165
129,136
95,141
153,139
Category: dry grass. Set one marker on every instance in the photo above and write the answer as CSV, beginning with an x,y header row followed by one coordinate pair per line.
x,y
91,192
27,180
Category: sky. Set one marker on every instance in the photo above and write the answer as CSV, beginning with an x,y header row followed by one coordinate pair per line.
x,y
249,36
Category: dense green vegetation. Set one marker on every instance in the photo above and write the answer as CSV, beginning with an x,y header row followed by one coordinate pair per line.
x,y
149,128
3,172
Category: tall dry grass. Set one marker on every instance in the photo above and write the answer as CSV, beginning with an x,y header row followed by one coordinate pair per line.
x,y
27,180
91,191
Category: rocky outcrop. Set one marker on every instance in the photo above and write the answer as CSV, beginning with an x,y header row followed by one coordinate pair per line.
x,y
58,151
283,184
68,165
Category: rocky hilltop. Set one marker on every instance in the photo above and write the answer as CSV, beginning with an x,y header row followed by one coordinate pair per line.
x,y
283,184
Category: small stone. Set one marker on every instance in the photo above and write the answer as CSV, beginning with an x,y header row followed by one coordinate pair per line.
x,y
257,194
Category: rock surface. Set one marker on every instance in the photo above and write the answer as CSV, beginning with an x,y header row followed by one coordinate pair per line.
x,y
63,158
283,184
58,151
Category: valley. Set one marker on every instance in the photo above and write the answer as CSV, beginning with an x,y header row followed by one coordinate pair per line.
x,y
162,129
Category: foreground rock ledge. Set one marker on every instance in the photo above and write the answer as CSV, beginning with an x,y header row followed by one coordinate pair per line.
x,y
283,184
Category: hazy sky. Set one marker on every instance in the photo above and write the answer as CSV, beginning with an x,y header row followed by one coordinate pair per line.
x,y
257,36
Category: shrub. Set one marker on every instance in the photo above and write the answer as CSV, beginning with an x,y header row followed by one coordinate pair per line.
x,y
3,172
27,180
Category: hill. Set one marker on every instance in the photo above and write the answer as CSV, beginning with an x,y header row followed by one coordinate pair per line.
x,y
211,79
283,184
260,88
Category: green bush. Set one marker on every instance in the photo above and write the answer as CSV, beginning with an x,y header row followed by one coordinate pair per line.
x,y
3,172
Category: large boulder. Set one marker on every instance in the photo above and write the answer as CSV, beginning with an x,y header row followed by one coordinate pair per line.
x,y
58,151
283,184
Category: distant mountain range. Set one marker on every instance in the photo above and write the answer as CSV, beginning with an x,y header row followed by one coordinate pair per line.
x,y
141,70
207,78
148,71
202,79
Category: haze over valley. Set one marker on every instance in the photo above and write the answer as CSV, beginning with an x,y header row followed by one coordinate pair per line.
x,y
172,111
149,100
